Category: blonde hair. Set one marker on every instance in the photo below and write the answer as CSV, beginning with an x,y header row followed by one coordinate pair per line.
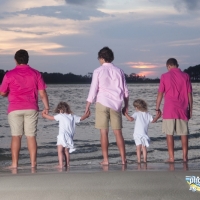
x,y
140,104
63,107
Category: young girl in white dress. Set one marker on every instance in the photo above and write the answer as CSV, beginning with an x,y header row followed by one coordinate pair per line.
x,y
67,122
142,119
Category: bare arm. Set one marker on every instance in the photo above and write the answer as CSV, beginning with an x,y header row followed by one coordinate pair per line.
x,y
158,101
158,115
3,94
47,116
86,115
125,108
128,117
45,100
87,108
190,97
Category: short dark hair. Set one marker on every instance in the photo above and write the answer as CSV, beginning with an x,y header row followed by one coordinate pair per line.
x,y
172,61
21,56
107,54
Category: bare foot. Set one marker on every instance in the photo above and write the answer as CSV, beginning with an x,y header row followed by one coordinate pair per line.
x,y
185,160
124,163
59,166
170,160
104,163
11,167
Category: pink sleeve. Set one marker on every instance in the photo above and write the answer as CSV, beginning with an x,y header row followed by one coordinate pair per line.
x,y
162,85
41,83
93,88
4,85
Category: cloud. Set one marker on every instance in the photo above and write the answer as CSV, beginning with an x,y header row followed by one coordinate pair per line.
x,y
191,42
63,12
141,65
88,3
189,5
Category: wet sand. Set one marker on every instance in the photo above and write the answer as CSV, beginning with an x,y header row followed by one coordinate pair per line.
x,y
153,181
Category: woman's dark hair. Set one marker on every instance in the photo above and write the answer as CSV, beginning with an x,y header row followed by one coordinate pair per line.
x,y
63,107
21,56
172,61
107,54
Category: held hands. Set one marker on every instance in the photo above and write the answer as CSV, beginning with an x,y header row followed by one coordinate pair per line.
x,y
158,113
124,110
45,112
86,115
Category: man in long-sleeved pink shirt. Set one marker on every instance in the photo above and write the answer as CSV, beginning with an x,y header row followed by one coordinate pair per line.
x,y
177,88
108,89
22,85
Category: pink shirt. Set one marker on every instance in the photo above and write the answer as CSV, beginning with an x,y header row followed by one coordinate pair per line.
x,y
175,85
22,84
108,86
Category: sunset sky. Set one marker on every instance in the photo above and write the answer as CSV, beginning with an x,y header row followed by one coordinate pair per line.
x,y
65,35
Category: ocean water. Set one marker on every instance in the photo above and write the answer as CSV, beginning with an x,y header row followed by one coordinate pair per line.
x,y
88,148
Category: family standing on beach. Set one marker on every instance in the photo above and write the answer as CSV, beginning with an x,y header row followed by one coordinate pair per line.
x,y
109,91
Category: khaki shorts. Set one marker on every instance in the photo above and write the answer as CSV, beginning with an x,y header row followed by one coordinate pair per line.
x,y
23,122
104,115
170,126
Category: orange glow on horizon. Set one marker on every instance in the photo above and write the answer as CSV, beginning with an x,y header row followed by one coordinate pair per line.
x,y
141,65
147,73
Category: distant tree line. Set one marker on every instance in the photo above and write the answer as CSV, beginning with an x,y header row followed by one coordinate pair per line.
x,y
194,73
59,78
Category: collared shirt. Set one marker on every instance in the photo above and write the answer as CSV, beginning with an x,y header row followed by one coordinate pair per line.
x,y
108,86
175,85
22,84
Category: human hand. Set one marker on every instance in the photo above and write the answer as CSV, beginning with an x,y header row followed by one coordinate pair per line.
x,y
158,113
124,110
45,112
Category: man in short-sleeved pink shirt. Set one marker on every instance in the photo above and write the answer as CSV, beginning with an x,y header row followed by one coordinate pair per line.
x,y
22,85
177,110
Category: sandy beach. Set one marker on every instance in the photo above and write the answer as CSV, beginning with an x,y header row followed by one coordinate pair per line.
x,y
153,181
86,179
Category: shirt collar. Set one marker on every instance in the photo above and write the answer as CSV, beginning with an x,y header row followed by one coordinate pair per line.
x,y
106,64
21,66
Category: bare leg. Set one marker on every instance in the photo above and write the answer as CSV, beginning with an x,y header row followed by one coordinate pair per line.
x,y
32,147
15,148
144,152
170,145
138,148
60,156
120,144
104,146
184,141
67,157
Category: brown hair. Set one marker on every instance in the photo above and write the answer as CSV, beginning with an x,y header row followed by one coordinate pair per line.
x,y
63,107
140,104
172,61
